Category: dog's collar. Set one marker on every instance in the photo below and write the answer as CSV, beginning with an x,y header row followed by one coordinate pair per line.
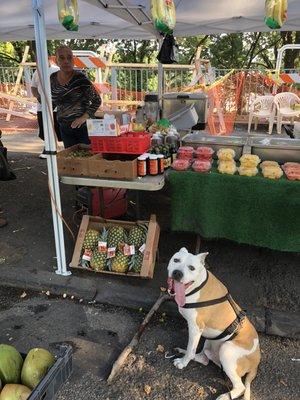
x,y
198,287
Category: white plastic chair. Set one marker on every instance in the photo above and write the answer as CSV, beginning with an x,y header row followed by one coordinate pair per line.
x,y
284,102
262,108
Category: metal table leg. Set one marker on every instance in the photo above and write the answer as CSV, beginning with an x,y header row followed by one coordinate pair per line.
x,y
198,244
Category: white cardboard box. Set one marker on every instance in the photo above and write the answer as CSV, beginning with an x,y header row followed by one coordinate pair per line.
x,y
102,127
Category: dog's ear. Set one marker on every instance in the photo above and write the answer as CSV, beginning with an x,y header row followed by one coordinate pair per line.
x,y
183,250
202,257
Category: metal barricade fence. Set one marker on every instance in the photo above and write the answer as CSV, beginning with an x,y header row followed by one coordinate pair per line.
x,y
126,84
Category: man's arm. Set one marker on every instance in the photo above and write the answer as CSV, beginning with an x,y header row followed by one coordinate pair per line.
x,y
35,93
34,86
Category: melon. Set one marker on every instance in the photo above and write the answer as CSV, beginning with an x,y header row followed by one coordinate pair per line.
x,y
13,391
11,363
36,364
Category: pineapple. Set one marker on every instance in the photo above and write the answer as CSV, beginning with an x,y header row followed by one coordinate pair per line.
x,y
137,236
119,263
90,239
136,262
116,236
98,261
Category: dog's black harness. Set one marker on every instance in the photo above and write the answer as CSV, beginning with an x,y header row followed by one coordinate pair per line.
x,y
233,328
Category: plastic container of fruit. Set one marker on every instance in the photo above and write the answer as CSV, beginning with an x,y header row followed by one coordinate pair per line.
x,y
185,153
293,175
291,166
181,164
201,166
204,153
56,376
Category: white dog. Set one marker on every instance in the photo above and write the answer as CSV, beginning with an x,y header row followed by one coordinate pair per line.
x,y
231,340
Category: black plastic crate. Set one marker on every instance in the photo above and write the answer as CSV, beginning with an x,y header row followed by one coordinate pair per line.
x,y
56,376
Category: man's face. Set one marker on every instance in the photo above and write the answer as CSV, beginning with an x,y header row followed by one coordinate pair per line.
x,y
64,59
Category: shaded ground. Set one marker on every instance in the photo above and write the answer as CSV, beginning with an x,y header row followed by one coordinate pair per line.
x,y
99,333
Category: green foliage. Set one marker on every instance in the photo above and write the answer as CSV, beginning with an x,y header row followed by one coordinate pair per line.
x,y
236,50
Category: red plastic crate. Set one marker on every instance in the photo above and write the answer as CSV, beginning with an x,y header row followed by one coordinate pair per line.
x,y
127,143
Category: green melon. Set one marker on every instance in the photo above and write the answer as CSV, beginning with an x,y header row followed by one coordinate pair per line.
x,y
11,363
13,391
35,367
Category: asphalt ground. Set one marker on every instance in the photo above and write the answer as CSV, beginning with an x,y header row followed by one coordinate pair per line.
x,y
98,334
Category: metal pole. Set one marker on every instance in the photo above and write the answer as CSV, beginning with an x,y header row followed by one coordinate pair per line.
x,y
279,59
50,145
160,77
280,54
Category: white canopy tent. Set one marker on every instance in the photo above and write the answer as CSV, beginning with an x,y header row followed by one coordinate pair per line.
x,y
118,19
118,22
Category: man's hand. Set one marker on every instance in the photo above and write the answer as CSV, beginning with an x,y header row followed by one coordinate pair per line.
x,y
36,94
79,121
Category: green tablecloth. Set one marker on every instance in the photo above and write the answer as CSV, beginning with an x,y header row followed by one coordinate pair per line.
x,y
256,210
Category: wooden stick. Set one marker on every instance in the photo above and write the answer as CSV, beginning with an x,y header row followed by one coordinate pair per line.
x,y
135,340
18,81
19,99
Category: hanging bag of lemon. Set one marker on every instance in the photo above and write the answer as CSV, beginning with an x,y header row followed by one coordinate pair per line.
x,y
163,15
276,13
68,14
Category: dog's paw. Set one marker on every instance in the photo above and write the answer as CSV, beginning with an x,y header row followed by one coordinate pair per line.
x,y
181,363
179,350
224,396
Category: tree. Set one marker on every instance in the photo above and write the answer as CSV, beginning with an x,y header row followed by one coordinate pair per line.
x,y
235,50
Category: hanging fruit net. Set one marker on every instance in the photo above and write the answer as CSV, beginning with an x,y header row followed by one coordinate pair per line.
x,y
224,100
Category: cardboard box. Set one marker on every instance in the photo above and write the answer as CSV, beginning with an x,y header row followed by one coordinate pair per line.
x,y
102,127
113,166
89,222
110,166
77,166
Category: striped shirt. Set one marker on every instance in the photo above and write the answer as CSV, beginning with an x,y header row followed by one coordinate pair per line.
x,y
75,98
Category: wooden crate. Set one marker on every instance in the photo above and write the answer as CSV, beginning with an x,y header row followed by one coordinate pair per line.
x,y
90,222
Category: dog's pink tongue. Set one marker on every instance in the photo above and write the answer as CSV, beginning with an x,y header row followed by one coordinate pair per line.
x,y
179,293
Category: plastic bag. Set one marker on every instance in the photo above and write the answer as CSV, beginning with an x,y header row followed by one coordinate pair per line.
x,y
163,15
168,53
68,14
276,13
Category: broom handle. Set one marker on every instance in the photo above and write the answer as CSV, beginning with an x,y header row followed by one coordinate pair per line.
x,y
135,340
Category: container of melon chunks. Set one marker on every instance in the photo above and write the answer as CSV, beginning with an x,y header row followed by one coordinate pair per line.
x,y
117,247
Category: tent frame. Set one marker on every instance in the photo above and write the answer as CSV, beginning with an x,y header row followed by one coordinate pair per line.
x,y
50,144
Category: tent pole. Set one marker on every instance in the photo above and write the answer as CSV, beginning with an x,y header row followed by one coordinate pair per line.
x,y
50,145
160,77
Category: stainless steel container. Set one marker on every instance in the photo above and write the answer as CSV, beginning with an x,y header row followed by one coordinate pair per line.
x,y
175,102
276,149
216,142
